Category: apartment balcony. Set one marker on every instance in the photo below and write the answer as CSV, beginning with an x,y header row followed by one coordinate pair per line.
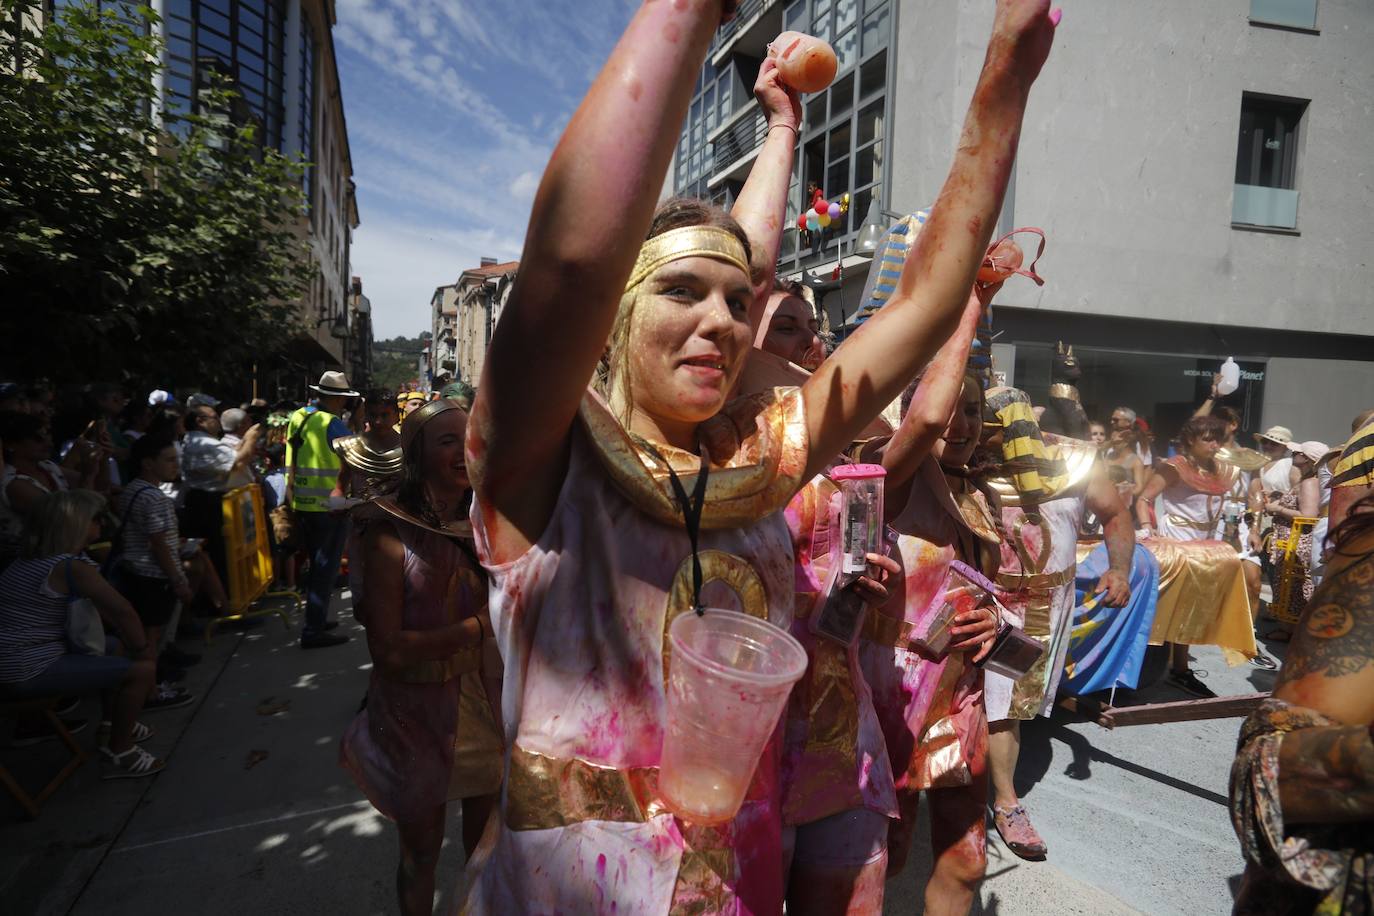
x,y
736,143
756,23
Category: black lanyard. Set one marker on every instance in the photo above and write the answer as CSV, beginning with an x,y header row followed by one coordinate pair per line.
x,y
691,514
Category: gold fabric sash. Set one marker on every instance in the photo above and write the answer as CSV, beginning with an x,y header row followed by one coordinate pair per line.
x,y
544,792
1034,582
758,447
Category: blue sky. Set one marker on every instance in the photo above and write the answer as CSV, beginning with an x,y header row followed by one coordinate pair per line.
x,y
453,107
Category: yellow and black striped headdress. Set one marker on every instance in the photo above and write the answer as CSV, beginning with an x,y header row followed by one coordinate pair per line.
x,y
1355,468
1034,468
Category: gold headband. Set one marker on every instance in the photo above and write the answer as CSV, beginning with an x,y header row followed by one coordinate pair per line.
x,y
687,242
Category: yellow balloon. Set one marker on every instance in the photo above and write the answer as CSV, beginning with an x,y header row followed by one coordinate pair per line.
x,y
824,220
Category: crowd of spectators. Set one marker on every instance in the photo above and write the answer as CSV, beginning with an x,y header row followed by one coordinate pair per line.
x,y
113,503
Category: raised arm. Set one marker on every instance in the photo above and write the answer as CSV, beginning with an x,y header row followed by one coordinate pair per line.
x,y
934,400
878,360
610,162
761,206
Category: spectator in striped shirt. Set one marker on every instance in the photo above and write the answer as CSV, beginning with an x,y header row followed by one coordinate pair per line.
x,y
36,595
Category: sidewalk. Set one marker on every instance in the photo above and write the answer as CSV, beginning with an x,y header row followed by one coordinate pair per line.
x,y
251,816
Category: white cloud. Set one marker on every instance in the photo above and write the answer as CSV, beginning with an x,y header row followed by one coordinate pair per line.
x,y
401,264
524,185
447,156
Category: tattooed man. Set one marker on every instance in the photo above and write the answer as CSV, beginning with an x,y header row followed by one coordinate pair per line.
x,y
1302,787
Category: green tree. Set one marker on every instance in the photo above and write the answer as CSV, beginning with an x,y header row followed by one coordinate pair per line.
x,y
130,246
395,362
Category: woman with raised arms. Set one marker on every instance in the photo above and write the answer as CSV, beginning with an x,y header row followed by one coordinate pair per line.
x,y
576,520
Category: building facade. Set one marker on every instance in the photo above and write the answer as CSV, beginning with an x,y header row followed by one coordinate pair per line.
x,y
358,347
279,56
1200,170
481,294
443,345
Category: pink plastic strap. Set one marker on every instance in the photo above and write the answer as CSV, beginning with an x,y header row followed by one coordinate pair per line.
x,y
1028,271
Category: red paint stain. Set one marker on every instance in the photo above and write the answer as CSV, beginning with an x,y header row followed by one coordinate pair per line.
x,y
975,225
636,90
672,33
601,866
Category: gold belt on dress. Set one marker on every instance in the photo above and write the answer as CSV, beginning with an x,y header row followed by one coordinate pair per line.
x,y
545,792
439,671
1182,522
1035,582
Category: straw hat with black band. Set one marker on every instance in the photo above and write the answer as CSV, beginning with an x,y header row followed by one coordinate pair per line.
x,y
335,384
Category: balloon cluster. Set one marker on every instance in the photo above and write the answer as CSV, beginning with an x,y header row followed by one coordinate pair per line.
x,y
822,214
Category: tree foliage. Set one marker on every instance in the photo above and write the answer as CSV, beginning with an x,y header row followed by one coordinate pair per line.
x,y
395,362
133,246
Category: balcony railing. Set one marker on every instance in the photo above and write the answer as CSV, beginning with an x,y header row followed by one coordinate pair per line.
x,y
748,9
740,140
1258,206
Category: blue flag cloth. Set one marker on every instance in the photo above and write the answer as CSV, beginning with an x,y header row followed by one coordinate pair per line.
x,y
1107,645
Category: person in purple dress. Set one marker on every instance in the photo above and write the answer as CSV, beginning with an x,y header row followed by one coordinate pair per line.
x,y
427,733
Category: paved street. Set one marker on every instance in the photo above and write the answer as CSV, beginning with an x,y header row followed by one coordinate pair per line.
x,y
253,815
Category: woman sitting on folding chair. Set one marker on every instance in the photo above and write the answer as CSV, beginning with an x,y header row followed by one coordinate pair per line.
x,y
41,600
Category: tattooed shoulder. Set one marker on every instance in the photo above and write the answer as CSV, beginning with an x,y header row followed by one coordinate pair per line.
x,y
1336,636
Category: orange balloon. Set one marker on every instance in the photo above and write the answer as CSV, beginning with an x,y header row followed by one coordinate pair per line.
x,y
805,63
1001,262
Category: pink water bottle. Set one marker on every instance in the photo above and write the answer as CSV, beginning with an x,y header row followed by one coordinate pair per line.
x,y
805,63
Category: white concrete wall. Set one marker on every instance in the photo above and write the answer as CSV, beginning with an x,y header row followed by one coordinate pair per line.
x,y
1128,156
1317,398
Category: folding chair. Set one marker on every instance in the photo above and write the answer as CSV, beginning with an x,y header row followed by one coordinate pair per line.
x,y
47,706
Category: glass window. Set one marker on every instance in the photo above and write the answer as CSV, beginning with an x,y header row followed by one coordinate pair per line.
x,y
1300,14
839,141
868,165
873,76
847,49
871,122
815,112
842,96
1267,154
875,31
209,19
837,178
794,16
845,12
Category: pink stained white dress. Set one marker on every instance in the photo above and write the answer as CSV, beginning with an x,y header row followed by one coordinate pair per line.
x,y
581,619
930,710
1036,583
431,737
835,756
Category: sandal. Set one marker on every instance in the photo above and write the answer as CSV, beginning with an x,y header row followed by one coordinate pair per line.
x,y
130,764
141,732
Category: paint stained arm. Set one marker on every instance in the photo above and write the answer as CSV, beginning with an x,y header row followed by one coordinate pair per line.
x,y
878,360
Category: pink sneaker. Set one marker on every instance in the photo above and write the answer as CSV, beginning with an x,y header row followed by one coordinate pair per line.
x,y
1017,833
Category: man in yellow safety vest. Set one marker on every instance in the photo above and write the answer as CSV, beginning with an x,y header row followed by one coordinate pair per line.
x,y
313,471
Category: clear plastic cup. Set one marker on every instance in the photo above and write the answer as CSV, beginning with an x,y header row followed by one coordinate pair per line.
x,y
729,675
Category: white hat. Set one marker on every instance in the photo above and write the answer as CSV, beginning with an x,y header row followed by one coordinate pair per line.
x,y
1281,435
1312,449
335,383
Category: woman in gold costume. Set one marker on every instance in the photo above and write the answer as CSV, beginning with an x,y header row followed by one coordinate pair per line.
x,y
583,518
